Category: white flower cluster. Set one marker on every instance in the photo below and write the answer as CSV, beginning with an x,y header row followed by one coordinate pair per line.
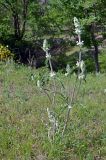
x,y
69,107
52,74
68,70
81,76
38,83
77,26
80,43
46,48
78,32
45,45
80,64
48,56
53,125
82,67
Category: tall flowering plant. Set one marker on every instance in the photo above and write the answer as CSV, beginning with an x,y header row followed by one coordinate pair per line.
x,y
59,89
80,63
81,71
48,57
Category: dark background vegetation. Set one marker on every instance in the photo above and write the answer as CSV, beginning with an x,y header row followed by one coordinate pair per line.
x,y
24,24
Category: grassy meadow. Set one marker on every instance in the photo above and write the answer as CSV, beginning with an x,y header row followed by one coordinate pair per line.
x,y
23,118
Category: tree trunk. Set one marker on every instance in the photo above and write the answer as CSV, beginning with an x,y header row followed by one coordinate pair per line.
x,y
19,25
97,67
25,10
96,52
16,26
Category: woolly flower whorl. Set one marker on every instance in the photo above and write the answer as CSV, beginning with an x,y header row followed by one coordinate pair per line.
x,y
77,26
52,74
45,45
76,22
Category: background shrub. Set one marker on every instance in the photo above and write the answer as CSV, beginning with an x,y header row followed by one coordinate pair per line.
x,y
5,53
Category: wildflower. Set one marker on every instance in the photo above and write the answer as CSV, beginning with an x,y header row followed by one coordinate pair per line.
x,y
32,77
76,22
77,26
68,70
80,43
45,45
52,74
50,133
81,65
81,76
78,64
69,106
38,84
77,31
48,56
50,116
54,124
66,74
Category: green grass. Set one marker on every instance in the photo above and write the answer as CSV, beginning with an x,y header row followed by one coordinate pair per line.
x,y
23,135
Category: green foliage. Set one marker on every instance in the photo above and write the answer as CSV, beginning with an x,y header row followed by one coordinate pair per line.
x,y
102,59
53,17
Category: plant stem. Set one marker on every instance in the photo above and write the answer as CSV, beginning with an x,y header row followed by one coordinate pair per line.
x,y
54,84
72,98
69,109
